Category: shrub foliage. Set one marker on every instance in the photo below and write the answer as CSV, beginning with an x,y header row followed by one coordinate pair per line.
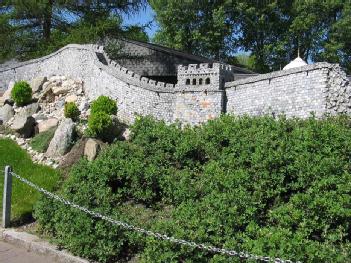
x,y
104,104
99,124
21,93
71,111
280,188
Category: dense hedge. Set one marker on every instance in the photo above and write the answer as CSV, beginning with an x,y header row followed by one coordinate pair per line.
x,y
280,188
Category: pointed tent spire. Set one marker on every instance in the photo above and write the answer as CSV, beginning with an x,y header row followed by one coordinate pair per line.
x,y
297,62
298,51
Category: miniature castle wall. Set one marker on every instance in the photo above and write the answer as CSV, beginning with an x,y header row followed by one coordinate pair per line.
x,y
321,88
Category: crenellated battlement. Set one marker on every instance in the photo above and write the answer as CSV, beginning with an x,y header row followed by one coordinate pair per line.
x,y
135,79
206,75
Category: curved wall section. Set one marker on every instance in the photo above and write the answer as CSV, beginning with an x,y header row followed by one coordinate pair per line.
x,y
134,95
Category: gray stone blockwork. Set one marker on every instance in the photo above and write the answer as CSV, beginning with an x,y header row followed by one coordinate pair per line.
x,y
320,88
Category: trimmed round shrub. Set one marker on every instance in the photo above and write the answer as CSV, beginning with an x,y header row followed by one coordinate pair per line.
x,y
21,93
104,104
99,124
72,111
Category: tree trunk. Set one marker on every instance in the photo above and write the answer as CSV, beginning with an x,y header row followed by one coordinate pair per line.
x,y
47,21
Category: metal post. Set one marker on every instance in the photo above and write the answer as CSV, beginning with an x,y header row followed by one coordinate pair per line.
x,y
6,198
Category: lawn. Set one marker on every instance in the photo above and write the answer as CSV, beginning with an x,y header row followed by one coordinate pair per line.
x,y
23,197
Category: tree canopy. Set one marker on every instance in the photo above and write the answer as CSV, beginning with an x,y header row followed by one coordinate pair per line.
x,y
34,28
268,32
271,31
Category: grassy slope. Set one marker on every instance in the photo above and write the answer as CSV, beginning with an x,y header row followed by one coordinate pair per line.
x,y
23,197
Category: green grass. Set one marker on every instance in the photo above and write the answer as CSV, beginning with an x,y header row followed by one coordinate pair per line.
x,y
23,196
41,141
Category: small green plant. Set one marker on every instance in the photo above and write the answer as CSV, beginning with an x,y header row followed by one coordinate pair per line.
x,y
99,124
21,93
72,111
104,104
41,141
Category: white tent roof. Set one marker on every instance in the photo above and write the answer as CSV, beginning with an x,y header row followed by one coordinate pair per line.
x,y
297,62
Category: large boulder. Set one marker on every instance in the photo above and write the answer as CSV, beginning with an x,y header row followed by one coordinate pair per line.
x,y
62,139
6,113
23,125
7,94
37,84
63,88
92,149
47,124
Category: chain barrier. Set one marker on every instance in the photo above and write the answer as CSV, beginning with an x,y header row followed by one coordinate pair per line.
x,y
209,248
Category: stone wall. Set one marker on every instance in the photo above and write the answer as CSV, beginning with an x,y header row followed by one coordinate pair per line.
x,y
134,94
152,60
198,106
319,88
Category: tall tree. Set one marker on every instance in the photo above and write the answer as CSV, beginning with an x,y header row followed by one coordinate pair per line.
x,y
272,31
39,27
199,27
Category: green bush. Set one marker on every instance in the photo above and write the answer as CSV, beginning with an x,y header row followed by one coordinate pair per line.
x,y
21,93
99,124
104,104
71,111
41,141
280,188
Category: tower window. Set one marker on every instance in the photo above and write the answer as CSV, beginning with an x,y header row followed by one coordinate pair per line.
x,y
208,81
187,82
200,81
194,81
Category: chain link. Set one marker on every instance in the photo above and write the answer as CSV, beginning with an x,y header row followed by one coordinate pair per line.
x,y
233,253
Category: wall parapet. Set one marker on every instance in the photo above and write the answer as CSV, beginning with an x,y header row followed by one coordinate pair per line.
x,y
112,68
282,73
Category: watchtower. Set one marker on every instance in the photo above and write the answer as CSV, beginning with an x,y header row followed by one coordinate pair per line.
x,y
204,76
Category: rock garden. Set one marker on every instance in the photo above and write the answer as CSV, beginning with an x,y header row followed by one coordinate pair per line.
x,y
55,122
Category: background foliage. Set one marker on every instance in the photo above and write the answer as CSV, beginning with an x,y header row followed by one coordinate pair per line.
x,y
32,28
271,31
268,32
271,187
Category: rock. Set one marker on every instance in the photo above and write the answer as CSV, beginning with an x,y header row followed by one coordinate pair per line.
x,y
7,94
37,84
39,117
47,125
92,148
60,104
83,106
46,94
60,90
74,155
23,125
71,98
62,139
30,109
126,134
6,113
57,78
